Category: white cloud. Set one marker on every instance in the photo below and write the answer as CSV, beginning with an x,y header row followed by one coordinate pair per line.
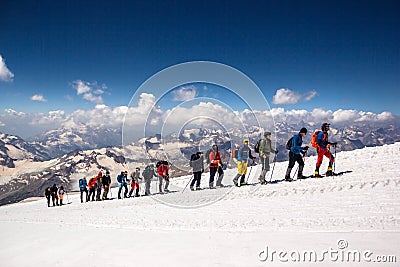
x,y
98,91
5,74
147,112
285,96
39,98
345,115
89,91
14,113
184,93
81,87
385,116
310,95
92,98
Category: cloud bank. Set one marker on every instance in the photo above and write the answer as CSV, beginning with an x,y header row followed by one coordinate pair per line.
x,y
30,124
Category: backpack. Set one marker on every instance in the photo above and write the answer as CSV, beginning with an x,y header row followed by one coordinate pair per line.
x,y
92,182
159,163
257,146
289,143
235,153
208,156
119,178
314,138
192,158
80,183
146,173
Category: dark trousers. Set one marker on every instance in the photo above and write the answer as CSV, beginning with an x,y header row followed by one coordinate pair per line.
x,y
98,195
54,198
84,190
213,171
48,201
92,192
293,158
196,179
125,192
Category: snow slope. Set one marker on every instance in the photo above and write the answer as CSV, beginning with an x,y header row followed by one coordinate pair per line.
x,y
228,226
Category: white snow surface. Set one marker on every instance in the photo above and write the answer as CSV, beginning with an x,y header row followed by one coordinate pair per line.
x,y
227,226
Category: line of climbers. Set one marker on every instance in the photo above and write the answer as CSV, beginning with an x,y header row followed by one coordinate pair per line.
x,y
99,182
243,154
98,186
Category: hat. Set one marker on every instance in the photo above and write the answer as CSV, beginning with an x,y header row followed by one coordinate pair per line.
x,y
325,126
267,133
246,140
303,130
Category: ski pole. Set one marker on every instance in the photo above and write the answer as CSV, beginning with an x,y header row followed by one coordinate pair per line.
x,y
273,167
188,183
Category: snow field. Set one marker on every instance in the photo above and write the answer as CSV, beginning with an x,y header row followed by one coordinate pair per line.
x,y
221,227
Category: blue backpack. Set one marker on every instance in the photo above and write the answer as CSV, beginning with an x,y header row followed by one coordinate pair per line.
x,y
119,178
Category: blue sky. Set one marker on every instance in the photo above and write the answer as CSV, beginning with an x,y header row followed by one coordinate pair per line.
x,y
346,52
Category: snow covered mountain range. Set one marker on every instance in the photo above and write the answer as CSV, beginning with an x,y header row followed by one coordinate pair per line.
x,y
64,155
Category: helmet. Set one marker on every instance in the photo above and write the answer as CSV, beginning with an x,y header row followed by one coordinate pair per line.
x,y
246,140
325,126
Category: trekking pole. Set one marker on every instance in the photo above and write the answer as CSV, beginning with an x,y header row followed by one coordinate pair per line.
x,y
67,196
251,167
273,167
192,176
334,163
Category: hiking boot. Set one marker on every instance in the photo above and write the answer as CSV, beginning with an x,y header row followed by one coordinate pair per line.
x,y
235,180
329,172
317,175
192,188
243,183
301,177
198,188
288,179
